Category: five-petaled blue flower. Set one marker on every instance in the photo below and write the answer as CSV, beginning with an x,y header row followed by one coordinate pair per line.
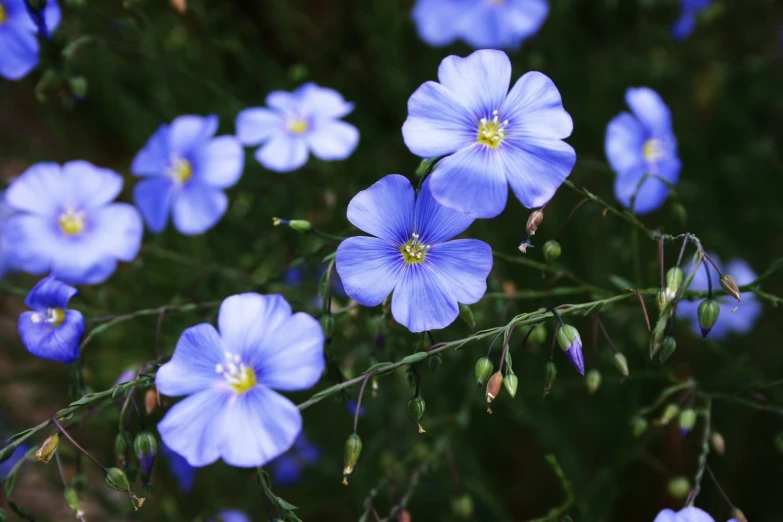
x,y
412,255
483,24
287,468
18,43
741,321
66,223
689,11
296,123
51,331
491,137
688,514
186,170
231,515
642,150
232,411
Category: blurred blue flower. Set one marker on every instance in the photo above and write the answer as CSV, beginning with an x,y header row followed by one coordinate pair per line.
x,y
411,255
738,322
13,460
65,222
491,137
128,374
287,468
639,144
186,170
351,407
688,514
483,24
231,515
184,473
7,255
18,44
686,23
51,331
306,120
232,411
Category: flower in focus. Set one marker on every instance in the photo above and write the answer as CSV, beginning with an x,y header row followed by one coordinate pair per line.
x,y
491,137
231,411
738,322
642,151
686,23
296,123
66,223
184,473
287,468
411,255
7,255
186,168
18,43
51,331
688,514
231,515
483,24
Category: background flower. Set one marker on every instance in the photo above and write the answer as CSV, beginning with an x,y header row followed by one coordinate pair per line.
x,y
186,170
232,515
687,514
689,11
287,468
18,43
642,143
491,137
13,460
184,473
7,255
65,222
306,120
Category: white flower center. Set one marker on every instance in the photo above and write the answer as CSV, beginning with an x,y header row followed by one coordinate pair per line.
x,y
239,376
653,150
414,251
53,316
492,131
72,222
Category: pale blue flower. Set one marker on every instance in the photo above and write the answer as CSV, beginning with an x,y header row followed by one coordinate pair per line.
x,y
689,11
491,137
186,169
65,222
411,255
297,123
640,145
232,412
18,42
687,514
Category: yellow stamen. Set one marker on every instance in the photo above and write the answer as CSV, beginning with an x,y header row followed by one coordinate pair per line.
x,y
72,223
297,126
414,251
3,14
52,316
491,131
181,171
652,150
245,382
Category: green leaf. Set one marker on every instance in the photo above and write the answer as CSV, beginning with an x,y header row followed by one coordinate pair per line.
x,y
17,436
328,391
415,357
285,505
10,482
329,257
19,510
467,315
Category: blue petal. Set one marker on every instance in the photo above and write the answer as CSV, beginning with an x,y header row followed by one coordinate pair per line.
x,y
423,301
504,25
693,514
7,465
536,168
684,25
153,159
184,473
332,140
219,163
322,102
232,515
18,52
247,320
286,470
649,196
32,240
283,153
197,208
434,222
192,367
19,15
385,210
438,21
370,268
667,515
54,343
463,266
624,143
283,101
90,186
479,81
307,452
153,198
257,125
187,133
38,190
472,181
49,293
649,108
534,108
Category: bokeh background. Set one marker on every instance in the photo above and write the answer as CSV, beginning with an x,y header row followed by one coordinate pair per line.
x,y
145,63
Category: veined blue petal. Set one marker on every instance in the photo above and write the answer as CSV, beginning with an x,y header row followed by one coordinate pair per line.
x,y
439,22
153,158
648,197
37,190
438,123
54,343
434,222
536,167
194,427
322,102
283,153
385,210
422,301
18,52
649,108
534,108
257,124
624,143
463,265
332,139
153,198
370,268
479,81
49,293
90,186
472,181
192,367
219,162
186,133
197,208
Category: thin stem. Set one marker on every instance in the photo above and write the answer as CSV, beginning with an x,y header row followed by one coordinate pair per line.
x,y
644,310
720,489
606,334
324,235
709,280
505,349
359,400
660,258
60,468
557,316
682,249
493,342
708,258
573,211
75,444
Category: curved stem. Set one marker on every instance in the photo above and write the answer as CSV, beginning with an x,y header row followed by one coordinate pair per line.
x,y
359,400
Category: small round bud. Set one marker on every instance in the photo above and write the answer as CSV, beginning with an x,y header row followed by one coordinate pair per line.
x,y
679,487
145,447
493,388
48,448
327,323
593,380
72,499
484,369
671,411
416,406
534,221
510,383
621,363
462,506
538,335
667,349
150,400
550,372
640,425
353,448
687,420
78,86
116,479
552,250
674,278
718,443
730,285
709,310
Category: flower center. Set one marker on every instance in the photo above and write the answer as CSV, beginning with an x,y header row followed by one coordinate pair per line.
x,y
239,376
181,171
3,14
653,150
52,316
297,126
414,251
492,131
72,222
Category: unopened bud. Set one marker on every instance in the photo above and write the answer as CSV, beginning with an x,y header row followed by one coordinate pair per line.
x,y
300,225
534,221
656,339
462,506
593,380
718,443
674,278
493,388
416,406
730,285
570,342
150,400
662,299
72,499
116,479
709,310
621,363
679,487
484,369
669,413
510,383
353,448
120,448
550,372
48,448
327,323
687,420
434,361
552,250
145,447
78,86
426,166
738,515
668,348
640,425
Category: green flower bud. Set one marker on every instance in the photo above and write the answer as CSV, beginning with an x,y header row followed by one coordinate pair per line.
x,y
47,449
621,363
640,425
669,413
353,448
571,343
116,479
145,447
426,166
593,380
327,323
709,310
462,506
669,345
416,406
552,250
679,487
730,285
78,86
510,383
484,369
550,372
72,499
674,278
687,420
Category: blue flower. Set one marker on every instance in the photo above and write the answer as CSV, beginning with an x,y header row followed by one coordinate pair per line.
x,y
483,24
287,468
495,137
306,120
411,255
686,23
688,514
13,460
184,473
231,411
643,144
66,222
231,515
186,170
18,45
7,255
738,322
351,407
51,331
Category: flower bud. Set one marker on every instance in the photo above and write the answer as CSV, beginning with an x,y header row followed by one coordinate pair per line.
x,y
416,406
640,425
730,285
72,499
300,225
656,339
552,250
353,448
679,487
510,383
462,506
570,342
484,369
48,448
150,400
78,86
327,323
534,221
718,443
116,479
434,361
145,447
662,299
669,413
120,448
493,388
709,310
593,380
674,278
687,420
621,363
426,166
667,349
550,372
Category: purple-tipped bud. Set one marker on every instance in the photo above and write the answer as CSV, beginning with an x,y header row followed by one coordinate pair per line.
x,y
146,447
484,369
570,342
709,310
687,421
